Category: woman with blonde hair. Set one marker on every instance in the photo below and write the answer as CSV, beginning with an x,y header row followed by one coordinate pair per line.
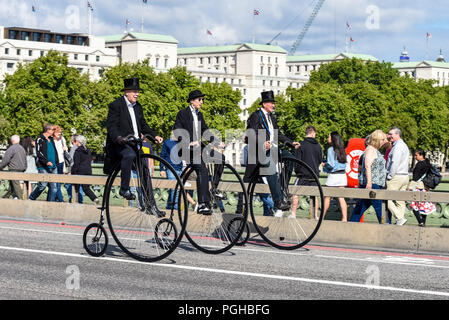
x,y
373,174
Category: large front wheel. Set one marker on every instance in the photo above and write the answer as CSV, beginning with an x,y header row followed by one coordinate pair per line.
x,y
135,227
293,228
212,233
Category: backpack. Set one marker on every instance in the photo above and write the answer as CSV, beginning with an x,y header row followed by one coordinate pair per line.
x,y
432,178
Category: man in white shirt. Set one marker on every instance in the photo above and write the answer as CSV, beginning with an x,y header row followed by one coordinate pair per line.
x,y
397,172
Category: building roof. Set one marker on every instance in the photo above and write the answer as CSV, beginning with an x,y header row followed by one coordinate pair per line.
x,y
329,57
140,36
420,64
231,48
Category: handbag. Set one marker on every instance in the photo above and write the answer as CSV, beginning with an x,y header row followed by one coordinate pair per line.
x,y
432,178
68,159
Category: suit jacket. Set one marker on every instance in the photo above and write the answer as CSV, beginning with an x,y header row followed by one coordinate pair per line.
x,y
258,121
119,123
184,120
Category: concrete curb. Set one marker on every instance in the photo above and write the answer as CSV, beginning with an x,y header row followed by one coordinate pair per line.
x,y
407,238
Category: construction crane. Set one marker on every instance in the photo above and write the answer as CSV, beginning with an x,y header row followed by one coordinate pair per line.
x,y
306,27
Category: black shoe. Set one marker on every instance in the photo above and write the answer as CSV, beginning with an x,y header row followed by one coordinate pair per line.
x,y
204,209
281,205
127,194
155,211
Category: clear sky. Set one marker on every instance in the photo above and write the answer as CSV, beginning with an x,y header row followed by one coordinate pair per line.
x,y
378,27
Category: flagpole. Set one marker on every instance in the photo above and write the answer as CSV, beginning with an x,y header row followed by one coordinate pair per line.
x,y
254,26
141,24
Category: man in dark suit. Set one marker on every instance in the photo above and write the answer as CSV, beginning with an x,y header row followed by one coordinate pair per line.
x,y
125,119
189,129
262,135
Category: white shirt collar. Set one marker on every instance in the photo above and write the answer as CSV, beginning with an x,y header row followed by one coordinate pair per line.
x,y
193,110
129,104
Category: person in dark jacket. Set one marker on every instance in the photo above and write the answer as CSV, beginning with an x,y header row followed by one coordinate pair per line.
x,y
190,129
311,153
82,165
262,136
125,120
47,158
421,209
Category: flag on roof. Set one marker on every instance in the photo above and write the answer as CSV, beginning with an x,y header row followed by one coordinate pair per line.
x,y
348,25
33,8
256,12
128,22
209,33
429,35
352,40
90,6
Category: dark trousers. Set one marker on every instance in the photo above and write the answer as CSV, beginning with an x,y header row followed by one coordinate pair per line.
x,y
87,191
127,156
202,182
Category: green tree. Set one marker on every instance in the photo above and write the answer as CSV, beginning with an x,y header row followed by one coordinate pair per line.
x,y
45,91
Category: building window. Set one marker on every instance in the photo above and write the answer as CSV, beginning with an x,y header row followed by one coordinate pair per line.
x,y
42,53
276,71
185,61
165,63
18,52
75,56
225,70
261,58
217,60
208,60
10,65
225,60
30,53
261,70
86,57
201,60
269,71
6,50
97,58
157,62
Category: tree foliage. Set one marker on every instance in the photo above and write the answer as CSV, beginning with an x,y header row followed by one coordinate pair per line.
x,y
355,98
48,91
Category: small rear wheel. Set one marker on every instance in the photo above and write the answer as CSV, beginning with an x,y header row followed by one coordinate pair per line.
x,y
165,234
95,240
233,228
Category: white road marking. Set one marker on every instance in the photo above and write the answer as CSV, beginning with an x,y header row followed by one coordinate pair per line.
x,y
236,273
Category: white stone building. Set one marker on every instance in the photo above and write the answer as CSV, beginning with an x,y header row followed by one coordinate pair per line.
x,y
85,52
161,50
247,67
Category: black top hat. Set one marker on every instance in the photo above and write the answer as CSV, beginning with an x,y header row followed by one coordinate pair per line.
x,y
131,84
195,94
267,96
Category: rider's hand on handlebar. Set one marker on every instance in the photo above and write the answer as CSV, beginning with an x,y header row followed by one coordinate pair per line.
x,y
120,140
194,144
267,145
296,144
159,139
